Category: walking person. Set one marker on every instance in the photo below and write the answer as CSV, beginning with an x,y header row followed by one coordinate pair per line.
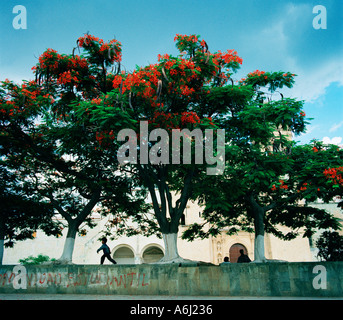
x,y
107,252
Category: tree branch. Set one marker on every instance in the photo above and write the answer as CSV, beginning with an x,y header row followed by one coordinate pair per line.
x,y
185,194
161,218
89,206
60,210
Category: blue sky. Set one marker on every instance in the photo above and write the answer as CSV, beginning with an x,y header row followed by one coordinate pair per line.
x,y
269,35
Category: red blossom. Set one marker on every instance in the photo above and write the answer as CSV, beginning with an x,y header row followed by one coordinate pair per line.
x,y
335,175
110,51
281,185
96,101
189,117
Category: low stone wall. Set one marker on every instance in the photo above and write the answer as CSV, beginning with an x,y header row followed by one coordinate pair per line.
x,y
308,279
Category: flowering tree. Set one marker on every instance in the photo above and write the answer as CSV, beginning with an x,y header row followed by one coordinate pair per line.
x,y
195,90
335,175
266,174
171,95
264,189
328,184
257,154
58,156
88,99
22,213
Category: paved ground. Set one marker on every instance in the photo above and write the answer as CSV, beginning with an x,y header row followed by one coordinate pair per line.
x,y
133,298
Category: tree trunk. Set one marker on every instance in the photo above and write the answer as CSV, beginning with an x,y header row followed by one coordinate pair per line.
x,y
258,214
169,227
170,234
69,244
171,254
2,240
170,246
73,226
1,250
259,251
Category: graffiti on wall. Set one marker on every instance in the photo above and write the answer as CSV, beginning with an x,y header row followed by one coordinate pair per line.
x,y
72,279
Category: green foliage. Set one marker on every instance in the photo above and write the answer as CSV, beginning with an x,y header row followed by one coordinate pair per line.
x,y
63,163
31,260
330,245
22,211
58,134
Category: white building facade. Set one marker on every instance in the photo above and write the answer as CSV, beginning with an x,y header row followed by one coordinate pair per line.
x,y
140,249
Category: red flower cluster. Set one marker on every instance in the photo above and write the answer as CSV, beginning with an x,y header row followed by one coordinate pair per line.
x,y
110,51
87,40
96,101
105,138
66,70
181,73
49,59
274,79
176,76
22,100
335,175
288,76
171,121
165,120
66,77
303,187
224,64
221,63
281,185
143,82
57,62
189,117
186,90
163,57
227,58
192,38
257,73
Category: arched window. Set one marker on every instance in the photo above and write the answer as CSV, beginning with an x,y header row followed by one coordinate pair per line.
x,y
124,255
152,254
234,252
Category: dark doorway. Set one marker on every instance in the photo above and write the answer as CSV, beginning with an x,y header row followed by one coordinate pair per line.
x,y
234,252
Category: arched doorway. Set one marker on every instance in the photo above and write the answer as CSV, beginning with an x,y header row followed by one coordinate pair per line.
x,y
234,252
124,255
152,254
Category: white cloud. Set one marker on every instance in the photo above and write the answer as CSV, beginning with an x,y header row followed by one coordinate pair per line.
x,y
335,140
336,126
311,128
312,81
311,84
278,38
